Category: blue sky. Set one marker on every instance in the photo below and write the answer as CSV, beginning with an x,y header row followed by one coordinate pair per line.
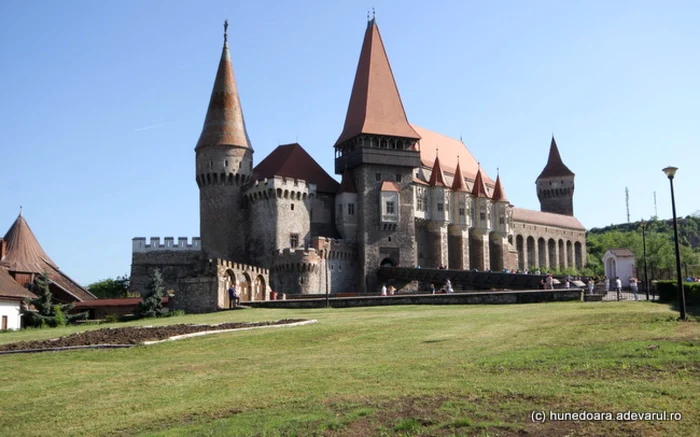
x,y
102,103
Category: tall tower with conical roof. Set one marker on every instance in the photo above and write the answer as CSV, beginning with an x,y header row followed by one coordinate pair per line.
x,y
377,146
555,185
224,164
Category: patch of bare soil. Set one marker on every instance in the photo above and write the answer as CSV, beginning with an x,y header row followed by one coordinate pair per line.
x,y
132,335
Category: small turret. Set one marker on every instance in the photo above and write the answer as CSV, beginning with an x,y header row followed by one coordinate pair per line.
x,y
555,185
224,164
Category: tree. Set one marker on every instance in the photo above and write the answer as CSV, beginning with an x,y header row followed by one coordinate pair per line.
x,y
110,288
45,312
152,303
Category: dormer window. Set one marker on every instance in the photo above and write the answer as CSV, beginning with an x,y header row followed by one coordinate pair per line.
x,y
389,202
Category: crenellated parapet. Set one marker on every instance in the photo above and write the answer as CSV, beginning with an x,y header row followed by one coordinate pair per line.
x,y
280,187
139,244
331,248
227,264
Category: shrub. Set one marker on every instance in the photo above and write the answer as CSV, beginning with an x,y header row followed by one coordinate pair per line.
x,y
668,292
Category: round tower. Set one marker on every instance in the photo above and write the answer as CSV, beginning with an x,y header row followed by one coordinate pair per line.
x,y
555,185
224,165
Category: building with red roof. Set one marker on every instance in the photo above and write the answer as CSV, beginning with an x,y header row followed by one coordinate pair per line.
x,y
408,197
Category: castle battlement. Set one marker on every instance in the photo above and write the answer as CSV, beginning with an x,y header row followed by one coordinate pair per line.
x,y
333,247
139,245
280,187
240,266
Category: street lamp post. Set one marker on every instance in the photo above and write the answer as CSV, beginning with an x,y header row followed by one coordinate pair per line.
x,y
670,173
644,246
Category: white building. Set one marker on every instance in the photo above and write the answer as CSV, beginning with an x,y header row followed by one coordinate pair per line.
x,y
11,296
619,263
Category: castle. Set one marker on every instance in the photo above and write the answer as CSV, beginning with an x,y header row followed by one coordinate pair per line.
x,y
407,197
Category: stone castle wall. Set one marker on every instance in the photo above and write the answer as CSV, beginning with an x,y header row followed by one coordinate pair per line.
x,y
173,264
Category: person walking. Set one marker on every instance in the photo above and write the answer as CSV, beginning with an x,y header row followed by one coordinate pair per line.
x,y
591,284
634,287
432,288
383,289
618,286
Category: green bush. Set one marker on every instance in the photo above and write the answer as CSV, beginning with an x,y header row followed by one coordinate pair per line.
x,y
668,292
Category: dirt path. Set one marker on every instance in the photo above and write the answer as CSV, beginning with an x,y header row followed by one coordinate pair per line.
x,y
132,335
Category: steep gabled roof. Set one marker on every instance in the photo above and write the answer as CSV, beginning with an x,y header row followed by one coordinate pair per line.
x,y
546,218
390,186
224,123
375,104
452,151
555,166
25,254
292,161
347,184
437,177
479,189
458,183
498,194
10,289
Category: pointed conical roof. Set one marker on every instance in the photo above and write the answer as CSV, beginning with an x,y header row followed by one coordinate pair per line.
x,y
555,166
224,124
458,181
375,104
479,189
437,177
498,194
347,184
25,254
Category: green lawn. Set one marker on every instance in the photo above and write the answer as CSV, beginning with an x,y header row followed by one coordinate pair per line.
x,y
403,370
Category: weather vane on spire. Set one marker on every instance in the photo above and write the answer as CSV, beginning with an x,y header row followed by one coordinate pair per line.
x,y
373,15
20,210
225,31
498,171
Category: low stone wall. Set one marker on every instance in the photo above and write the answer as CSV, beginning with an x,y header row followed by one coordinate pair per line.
x,y
475,298
196,295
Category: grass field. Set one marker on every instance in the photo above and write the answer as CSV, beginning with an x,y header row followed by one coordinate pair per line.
x,y
402,370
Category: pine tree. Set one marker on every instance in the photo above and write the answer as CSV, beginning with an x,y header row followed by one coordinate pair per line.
x,y
152,303
45,312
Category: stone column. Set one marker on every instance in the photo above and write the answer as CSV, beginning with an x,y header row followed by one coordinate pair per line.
x,y
438,239
479,249
459,247
498,255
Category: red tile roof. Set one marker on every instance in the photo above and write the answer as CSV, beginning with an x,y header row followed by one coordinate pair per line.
x,y
452,152
555,166
547,218
390,186
437,177
25,254
347,184
498,194
9,289
224,123
375,104
292,161
458,183
479,189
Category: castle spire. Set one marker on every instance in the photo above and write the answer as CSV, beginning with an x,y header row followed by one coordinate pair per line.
x,y
498,194
375,104
479,189
555,166
458,181
224,123
437,177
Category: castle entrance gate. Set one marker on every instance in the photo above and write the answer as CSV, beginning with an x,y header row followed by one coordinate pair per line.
x,y
246,288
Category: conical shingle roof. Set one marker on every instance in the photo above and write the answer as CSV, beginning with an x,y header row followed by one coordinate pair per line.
x,y
458,184
479,189
498,194
437,177
347,184
224,123
375,104
555,166
25,254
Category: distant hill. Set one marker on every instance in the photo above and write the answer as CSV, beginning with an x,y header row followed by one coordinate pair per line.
x,y
660,251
